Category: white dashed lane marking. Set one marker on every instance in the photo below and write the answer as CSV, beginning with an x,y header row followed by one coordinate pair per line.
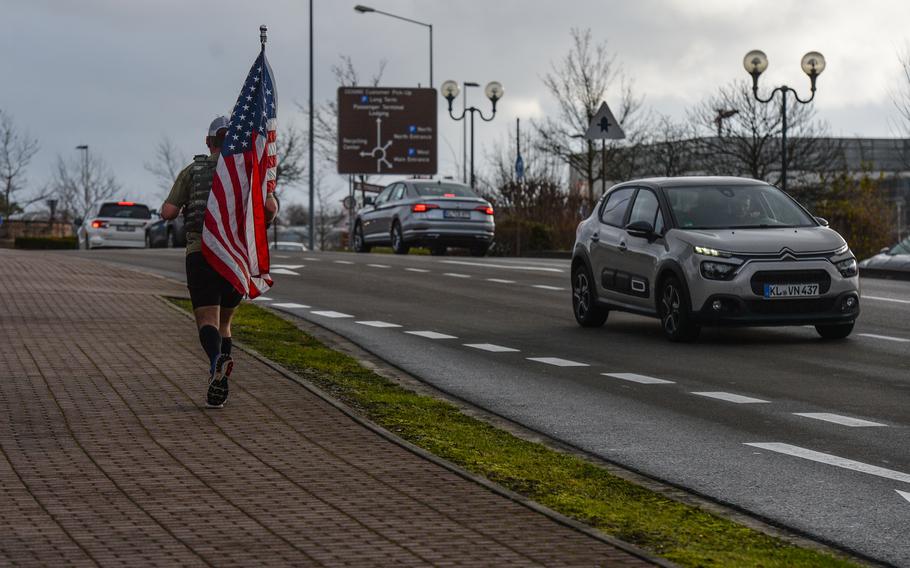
x,y
262,299
490,347
378,265
730,397
421,270
431,335
885,337
331,314
500,281
505,266
314,259
288,266
378,324
838,419
456,275
290,305
883,299
545,287
557,362
342,262
829,459
635,378
283,271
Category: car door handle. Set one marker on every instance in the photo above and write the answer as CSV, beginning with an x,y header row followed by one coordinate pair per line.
x,y
595,237
622,246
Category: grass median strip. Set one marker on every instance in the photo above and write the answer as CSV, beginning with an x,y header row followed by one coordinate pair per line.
x,y
569,484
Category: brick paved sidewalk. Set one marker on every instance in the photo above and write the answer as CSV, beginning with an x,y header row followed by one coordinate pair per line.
x,y
107,456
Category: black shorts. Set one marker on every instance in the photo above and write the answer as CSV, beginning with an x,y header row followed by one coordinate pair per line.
x,y
207,287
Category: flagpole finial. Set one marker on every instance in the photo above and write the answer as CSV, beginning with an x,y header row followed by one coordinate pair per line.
x,y
262,31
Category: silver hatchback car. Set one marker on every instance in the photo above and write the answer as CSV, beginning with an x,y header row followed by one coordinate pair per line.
x,y
435,214
696,251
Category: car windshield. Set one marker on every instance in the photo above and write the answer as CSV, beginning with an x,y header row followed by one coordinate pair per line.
x,y
445,190
902,247
125,210
735,207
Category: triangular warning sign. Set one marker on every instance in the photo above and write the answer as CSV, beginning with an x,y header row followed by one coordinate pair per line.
x,y
604,125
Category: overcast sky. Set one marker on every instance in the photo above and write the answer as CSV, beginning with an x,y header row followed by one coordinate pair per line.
x,y
118,75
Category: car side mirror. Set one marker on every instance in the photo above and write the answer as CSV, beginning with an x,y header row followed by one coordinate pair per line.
x,y
822,221
641,229
77,221
368,201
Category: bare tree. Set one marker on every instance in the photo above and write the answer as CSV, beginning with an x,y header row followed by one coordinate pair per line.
x,y
902,97
291,148
79,184
166,164
669,149
16,152
749,143
579,83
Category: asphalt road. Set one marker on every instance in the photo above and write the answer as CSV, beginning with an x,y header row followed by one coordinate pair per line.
x,y
809,434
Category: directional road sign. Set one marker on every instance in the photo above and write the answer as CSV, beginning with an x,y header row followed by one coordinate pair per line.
x,y
604,126
386,130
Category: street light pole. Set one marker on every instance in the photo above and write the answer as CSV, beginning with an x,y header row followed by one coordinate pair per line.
x,y
85,192
464,132
755,63
312,231
493,91
367,10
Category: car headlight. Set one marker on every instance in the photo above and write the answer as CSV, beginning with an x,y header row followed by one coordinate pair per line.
x,y
707,251
718,270
847,267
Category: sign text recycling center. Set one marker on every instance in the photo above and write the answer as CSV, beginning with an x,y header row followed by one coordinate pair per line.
x,y
386,130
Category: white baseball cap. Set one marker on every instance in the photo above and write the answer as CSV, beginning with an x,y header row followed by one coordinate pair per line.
x,y
217,124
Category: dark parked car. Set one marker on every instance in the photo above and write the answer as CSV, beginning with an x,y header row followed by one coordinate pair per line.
x,y
164,233
894,260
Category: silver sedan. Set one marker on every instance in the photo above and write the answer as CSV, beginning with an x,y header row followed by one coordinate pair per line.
x,y
434,214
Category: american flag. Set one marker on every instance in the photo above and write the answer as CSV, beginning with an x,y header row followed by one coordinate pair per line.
x,y
234,238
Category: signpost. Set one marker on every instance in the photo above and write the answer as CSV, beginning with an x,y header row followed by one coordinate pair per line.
x,y
603,127
386,130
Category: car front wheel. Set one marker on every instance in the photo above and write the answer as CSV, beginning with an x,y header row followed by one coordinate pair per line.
x,y
359,244
675,312
838,331
584,302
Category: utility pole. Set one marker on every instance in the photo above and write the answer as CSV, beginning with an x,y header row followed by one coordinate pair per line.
x,y
312,163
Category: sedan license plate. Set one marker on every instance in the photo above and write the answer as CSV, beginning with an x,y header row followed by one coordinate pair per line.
x,y
791,290
456,214
128,228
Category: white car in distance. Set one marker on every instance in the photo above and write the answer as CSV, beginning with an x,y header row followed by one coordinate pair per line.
x,y
115,224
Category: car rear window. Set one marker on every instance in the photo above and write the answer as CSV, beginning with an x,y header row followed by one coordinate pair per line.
x,y
443,190
125,210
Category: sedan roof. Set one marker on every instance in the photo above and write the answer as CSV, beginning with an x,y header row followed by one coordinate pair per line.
x,y
704,181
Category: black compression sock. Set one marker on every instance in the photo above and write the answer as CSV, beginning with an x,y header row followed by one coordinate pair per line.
x,y
226,345
211,342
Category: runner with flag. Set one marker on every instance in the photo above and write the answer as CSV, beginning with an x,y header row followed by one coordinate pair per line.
x,y
227,198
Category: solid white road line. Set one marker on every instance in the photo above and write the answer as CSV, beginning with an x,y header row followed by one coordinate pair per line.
x,y
378,265
635,378
885,337
456,275
838,419
431,335
291,305
331,314
377,323
283,271
342,262
556,361
545,287
829,459
730,397
883,299
288,266
903,494
262,299
506,266
421,270
491,348
500,281
314,259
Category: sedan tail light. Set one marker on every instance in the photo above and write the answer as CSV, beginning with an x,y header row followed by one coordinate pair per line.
x,y
484,209
423,207
99,224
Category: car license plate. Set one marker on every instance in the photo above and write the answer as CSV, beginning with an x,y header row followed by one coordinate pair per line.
x,y
791,290
128,228
456,214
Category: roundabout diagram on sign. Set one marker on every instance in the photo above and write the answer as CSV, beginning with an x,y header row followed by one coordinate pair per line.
x,y
379,151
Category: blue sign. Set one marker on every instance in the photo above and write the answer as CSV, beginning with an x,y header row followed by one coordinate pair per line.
x,y
519,168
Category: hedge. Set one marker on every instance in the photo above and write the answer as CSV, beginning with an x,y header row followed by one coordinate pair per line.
x,y
45,243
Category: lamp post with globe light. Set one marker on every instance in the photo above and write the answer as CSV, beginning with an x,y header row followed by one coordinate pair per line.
x,y
493,91
755,63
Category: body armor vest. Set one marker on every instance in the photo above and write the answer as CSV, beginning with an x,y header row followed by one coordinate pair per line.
x,y
202,171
